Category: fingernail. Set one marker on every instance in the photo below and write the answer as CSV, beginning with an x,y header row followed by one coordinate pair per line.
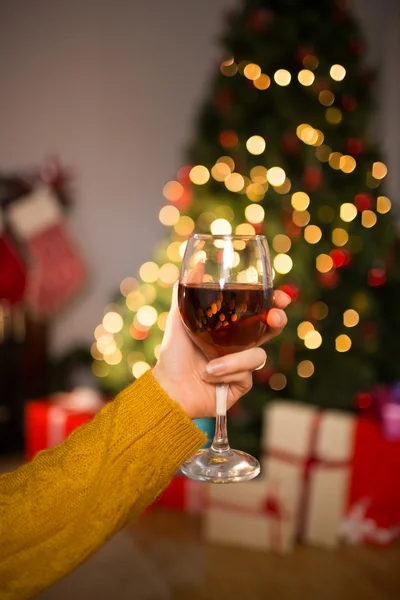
x,y
277,319
215,368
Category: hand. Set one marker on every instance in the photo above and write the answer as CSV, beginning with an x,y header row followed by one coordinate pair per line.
x,y
188,378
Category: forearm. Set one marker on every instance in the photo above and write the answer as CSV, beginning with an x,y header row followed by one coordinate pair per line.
x,y
58,510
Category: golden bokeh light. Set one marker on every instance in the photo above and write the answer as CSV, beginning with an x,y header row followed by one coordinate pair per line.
x,y
351,318
228,67
95,352
319,138
245,229
140,368
312,340
114,358
348,212
182,249
100,369
308,134
242,65
323,153
276,176
255,192
305,369
263,82
173,252
148,291
383,205
146,315
220,171
259,174
282,77
162,321
340,237
184,227
252,71
347,163
277,382
283,263
368,219
157,351
284,188
149,272
227,160
281,243
319,310
199,175
379,170
312,234
169,215
303,328
128,285
221,227
301,218
306,77
343,343
254,213
135,300
326,97
333,115
113,322
234,182
255,144
106,343
334,160
300,201
173,191
337,72
324,263
168,274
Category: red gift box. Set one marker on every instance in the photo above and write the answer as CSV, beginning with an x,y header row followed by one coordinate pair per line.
x,y
183,494
373,514
49,422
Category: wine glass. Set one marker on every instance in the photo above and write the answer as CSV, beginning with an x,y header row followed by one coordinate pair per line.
x,y
225,293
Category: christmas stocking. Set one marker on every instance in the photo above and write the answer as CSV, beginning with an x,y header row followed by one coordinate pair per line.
x,y
12,270
55,268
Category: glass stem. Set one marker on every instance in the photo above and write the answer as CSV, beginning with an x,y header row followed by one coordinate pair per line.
x,y
220,442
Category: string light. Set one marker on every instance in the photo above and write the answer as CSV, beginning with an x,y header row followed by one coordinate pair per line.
x,y
306,77
184,226
337,72
383,205
259,175
169,215
351,318
263,82
276,176
277,382
255,192
326,97
113,322
221,227
254,213
333,115
283,263
340,237
343,343
252,71
301,218
368,219
173,191
128,285
245,229
281,243
379,170
228,67
312,340
220,171
168,274
347,163
199,175
323,153
256,144
234,182
305,369
324,263
348,212
140,368
300,201
282,77
146,315
303,328
312,234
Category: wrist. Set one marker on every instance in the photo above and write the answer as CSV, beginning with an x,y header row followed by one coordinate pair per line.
x,y
164,381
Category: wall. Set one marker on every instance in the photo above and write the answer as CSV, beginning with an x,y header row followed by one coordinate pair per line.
x,y
112,87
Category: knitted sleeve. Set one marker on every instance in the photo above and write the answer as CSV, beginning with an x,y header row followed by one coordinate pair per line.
x,y
57,510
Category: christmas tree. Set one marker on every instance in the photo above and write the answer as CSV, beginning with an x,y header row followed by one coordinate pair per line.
x,y
282,147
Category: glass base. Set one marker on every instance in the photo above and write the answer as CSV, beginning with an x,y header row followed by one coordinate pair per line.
x,y
232,466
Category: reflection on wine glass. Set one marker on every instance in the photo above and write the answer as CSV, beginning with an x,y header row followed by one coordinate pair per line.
x,y
225,293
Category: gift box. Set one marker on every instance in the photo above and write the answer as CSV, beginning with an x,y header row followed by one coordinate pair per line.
x,y
373,509
256,515
183,494
49,422
309,453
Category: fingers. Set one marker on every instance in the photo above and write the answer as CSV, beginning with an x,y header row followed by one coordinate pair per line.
x,y
196,274
281,299
232,367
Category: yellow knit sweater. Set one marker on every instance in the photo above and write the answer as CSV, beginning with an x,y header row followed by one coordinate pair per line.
x,y
56,511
